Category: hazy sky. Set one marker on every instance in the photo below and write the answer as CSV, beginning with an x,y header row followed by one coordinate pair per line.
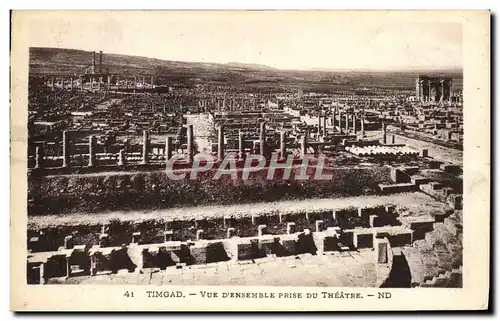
x,y
284,40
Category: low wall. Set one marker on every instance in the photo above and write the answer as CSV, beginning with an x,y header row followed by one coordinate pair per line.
x,y
143,190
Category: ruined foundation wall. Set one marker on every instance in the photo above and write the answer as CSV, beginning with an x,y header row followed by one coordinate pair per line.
x,y
144,190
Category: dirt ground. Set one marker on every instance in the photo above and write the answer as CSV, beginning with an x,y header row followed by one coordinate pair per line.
x,y
416,203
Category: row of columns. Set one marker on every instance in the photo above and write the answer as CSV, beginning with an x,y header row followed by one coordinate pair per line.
x,y
241,141
71,82
190,145
430,85
146,146
322,123
99,81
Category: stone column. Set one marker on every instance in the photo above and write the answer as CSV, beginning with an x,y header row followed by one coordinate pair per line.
x,y
324,125
262,137
66,150
145,147
93,264
68,270
53,83
168,148
384,139
442,90
393,139
152,81
354,124
340,121
333,119
220,142
135,82
282,145
450,89
347,123
39,157
319,124
92,157
241,141
190,143
303,145
122,160
362,127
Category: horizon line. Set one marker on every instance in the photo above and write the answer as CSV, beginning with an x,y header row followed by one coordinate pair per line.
x,y
312,69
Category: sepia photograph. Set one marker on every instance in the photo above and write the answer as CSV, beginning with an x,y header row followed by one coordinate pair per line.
x,y
239,149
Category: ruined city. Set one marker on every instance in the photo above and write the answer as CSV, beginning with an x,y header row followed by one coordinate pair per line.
x,y
141,174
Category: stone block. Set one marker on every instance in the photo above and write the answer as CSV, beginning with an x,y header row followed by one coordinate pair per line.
x,y
103,240
455,201
200,234
320,225
373,220
289,244
450,168
319,242
68,242
261,229
363,239
411,170
402,238
434,186
136,237
231,232
419,180
433,164
244,250
333,231
290,228
390,209
381,250
172,246
227,221
199,252
167,235
33,243
446,191
347,237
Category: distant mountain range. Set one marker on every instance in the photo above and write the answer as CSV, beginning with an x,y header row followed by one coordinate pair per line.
x,y
76,59
250,66
73,61
451,70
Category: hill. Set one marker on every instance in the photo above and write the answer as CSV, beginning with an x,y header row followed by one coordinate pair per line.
x,y
72,61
